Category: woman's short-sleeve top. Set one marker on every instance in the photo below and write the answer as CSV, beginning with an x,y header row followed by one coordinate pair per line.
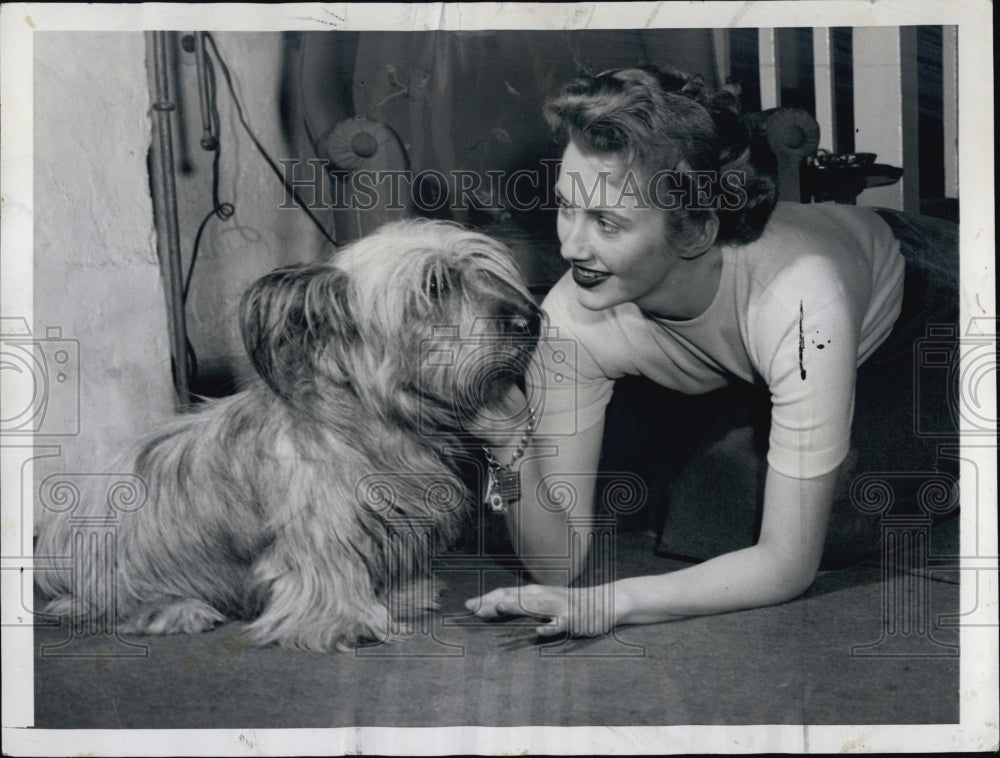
x,y
796,311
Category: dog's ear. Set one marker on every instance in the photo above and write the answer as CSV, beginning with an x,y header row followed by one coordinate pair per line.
x,y
287,319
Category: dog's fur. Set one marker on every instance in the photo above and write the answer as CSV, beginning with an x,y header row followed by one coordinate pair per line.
x,y
295,504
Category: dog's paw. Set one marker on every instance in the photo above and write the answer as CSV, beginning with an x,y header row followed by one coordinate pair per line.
x,y
181,617
324,634
62,606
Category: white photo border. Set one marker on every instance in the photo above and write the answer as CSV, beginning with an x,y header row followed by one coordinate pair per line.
x,y
977,729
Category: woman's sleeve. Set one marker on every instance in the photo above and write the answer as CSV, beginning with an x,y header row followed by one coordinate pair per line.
x,y
806,338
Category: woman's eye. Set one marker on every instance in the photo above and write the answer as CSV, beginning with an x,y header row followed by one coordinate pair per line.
x,y
606,226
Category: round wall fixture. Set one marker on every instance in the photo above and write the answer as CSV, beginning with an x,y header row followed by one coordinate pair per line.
x,y
361,143
792,131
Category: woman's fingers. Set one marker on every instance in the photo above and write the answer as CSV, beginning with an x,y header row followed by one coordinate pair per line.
x,y
554,627
531,600
482,606
496,603
516,609
523,609
583,619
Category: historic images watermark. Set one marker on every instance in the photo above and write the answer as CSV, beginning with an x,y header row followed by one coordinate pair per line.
x,y
318,187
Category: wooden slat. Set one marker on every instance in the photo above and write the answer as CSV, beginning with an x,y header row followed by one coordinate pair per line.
x,y
826,114
723,66
886,110
770,75
949,66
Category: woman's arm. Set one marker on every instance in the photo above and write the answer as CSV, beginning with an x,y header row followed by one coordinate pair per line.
x,y
778,568
781,566
554,487
558,476
812,394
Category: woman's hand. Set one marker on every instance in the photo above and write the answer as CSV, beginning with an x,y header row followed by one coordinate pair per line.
x,y
582,612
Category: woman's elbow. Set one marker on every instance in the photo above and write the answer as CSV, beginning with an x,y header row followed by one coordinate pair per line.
x,y
795,580
791,576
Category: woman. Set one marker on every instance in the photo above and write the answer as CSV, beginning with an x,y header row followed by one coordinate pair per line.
x,y
684,269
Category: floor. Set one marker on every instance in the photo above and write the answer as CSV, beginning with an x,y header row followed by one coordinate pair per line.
x,y
788,664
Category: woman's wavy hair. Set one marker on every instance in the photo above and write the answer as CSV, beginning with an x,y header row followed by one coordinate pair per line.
x,y
661,119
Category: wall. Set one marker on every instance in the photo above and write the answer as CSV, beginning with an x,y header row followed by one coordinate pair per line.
x,y
96,276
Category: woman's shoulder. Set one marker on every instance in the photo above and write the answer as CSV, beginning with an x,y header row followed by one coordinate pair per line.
x,y
818,220
825,226
815,241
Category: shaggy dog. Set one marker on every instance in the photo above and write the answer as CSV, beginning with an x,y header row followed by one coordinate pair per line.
x,y
303,503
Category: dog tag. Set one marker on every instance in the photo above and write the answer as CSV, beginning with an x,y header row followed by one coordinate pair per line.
x,y
508,485
494,499
504,487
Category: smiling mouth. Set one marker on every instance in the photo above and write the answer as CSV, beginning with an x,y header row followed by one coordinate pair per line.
x,y
588,278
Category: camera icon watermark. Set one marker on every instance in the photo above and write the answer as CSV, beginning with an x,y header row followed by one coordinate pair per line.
x,y
41,380
958,369
463,376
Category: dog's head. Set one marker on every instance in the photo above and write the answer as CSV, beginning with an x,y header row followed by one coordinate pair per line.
x,y
427,321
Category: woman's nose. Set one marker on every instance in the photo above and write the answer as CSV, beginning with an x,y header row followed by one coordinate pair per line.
x,y
572,244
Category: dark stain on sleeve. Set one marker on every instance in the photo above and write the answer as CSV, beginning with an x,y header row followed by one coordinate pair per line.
x,y
802,342
820,345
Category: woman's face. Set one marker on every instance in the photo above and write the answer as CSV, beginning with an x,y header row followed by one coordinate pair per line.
x,y
616,241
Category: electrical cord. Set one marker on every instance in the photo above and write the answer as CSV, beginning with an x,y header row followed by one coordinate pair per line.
x,y
260,148
224,210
